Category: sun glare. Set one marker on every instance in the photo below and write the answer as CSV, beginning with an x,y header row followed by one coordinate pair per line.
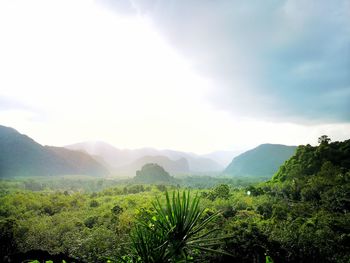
x,y
87,73
88,67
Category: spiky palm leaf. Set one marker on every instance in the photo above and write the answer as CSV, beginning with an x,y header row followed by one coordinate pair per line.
x,y
178,227
144,242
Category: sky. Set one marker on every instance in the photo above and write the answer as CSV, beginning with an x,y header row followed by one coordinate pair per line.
x,y
194,75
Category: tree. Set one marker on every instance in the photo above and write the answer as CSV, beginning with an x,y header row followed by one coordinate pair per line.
x,y
220,191
324,139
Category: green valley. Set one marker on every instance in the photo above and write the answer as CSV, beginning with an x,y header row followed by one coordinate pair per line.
x,y
300,215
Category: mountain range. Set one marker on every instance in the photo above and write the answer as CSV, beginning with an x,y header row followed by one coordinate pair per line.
x,y
119,159
22,156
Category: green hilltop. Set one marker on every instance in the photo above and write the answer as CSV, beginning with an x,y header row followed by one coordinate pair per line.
x,y
152,173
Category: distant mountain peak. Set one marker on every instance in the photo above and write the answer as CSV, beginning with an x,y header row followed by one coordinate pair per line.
x,y
263,160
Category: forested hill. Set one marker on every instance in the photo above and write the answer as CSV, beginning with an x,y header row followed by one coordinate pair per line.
x,y
263,160
309,160
152,173
172,166
22,156
307,205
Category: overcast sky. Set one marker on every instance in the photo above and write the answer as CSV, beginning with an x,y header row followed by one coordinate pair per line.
x,y
194,75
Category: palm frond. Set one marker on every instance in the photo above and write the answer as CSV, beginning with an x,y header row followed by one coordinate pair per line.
x,y
177,228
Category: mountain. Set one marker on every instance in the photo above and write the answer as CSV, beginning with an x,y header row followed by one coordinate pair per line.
x,y
222,157
22,156
152,173
117,158
263,160
197,163
80,162
113,156
173,167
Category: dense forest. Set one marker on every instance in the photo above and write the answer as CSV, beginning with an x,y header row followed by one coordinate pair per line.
x,y
300,215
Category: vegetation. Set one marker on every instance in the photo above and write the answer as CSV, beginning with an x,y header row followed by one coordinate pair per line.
x,y
299,215
174,231
152,173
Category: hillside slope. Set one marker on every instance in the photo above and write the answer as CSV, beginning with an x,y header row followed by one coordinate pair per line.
x,y
81,163
22,156
306,205
263,160
309,160
223,158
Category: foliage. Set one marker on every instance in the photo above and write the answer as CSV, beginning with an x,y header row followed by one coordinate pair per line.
x,y
301,215
174,231
220,191
324,139
309,160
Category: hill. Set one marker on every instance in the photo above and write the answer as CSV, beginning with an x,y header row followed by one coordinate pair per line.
x,y
152,173
306,205
174,167
22,156
263,160
309,160
119,158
